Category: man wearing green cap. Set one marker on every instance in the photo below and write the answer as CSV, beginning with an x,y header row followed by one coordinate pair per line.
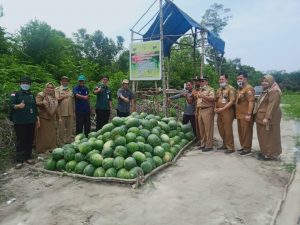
x,y
82,107
25,119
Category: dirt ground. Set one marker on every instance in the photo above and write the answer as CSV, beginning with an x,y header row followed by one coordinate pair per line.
x,y
200,188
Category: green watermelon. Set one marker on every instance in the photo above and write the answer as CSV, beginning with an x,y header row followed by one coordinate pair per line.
x,y
141,146
61,164
85,147
107,163
148,154
106,136
133,173
165,138
50,164
98,144
67,146
172,125
69,154
146,167
166,146
148,148
118,131
58,153
118,162
79,137
139,157
111,172
107,152
157,160
109,144
132,147
89,170
120,141
140,139
189,135
80,167
79,157
87,157
70,166
107,128
186,128
168,157
159,151
118,121
93,134
173,150
130,137
143,115
153,140
120,151
155,131
99,172
134,130
153,122
96,159
129,163
145,133
123,174
132,122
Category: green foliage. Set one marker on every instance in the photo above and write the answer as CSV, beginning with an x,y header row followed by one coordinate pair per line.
x,y
291,105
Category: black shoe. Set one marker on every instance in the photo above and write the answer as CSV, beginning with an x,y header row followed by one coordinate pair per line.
x,y
244,153
229,151
240,150
222,148
263,158
201,148
207,149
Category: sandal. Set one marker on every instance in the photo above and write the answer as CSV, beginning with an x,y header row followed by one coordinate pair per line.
x,y
30,161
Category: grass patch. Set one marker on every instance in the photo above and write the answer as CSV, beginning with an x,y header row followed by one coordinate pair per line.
x,y
6,158
291,105
289,167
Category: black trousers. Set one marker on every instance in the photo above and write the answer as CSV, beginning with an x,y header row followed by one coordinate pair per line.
x,y
191,119
102,117
83,123
122,114
24,141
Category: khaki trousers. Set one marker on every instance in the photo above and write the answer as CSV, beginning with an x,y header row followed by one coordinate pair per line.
x,y
65,130
224,122
197,124
245,130
206,126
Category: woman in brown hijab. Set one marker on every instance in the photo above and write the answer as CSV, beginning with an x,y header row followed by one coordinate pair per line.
x,y
267,117
48,113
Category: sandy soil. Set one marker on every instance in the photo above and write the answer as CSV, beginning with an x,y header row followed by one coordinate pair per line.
x,y
201,188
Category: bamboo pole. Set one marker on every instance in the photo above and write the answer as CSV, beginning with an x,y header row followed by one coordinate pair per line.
x,y
202,53
162,59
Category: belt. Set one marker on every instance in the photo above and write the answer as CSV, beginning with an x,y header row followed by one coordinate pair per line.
x,y
205,107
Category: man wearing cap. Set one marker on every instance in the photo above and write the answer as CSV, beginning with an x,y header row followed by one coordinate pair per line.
x,y
225,100
103,102
192,100
82,107
244,107
64,95
25,119
125,99
205,101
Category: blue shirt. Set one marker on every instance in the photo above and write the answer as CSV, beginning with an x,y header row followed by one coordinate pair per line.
x,y
81,105
189,109
122,105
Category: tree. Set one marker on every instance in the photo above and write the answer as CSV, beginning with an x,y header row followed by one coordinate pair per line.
x,y
215,19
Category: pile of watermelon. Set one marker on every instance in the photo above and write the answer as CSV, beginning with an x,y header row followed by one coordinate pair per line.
x,y
125,148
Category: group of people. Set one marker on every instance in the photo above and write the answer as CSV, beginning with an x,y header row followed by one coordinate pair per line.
x,y
202,103
46,119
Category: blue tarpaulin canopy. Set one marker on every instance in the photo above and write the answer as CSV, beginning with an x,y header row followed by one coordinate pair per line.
x,y
175,24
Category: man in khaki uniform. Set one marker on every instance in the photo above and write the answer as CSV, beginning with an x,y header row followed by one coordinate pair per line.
x,y
225,100
191,101
205,102
65,98
244,107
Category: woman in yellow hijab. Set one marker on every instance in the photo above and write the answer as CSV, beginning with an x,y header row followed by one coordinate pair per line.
x,y
267,117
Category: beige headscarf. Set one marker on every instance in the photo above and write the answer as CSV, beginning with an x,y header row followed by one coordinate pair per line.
x,y
273,86
50,99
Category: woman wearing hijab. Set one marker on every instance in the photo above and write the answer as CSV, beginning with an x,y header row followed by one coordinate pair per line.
x,y
48,114
267,117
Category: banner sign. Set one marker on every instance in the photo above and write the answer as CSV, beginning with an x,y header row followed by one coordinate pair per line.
x,y
145,61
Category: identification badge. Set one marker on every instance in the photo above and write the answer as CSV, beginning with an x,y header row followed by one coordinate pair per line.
x,y
223,101
31,110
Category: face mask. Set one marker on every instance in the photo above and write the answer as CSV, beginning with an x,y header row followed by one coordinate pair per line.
x,y
25,87
223,84
197,85
240,83
65,87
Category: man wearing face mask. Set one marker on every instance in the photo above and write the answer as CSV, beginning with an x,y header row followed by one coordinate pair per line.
x,y
189,109
225,99
25,119
65,97
244,107
192,100
205,101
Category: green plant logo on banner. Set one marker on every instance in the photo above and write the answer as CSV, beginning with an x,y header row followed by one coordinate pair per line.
x,y
145,61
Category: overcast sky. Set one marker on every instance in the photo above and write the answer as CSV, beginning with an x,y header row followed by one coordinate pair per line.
x,y
263,33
